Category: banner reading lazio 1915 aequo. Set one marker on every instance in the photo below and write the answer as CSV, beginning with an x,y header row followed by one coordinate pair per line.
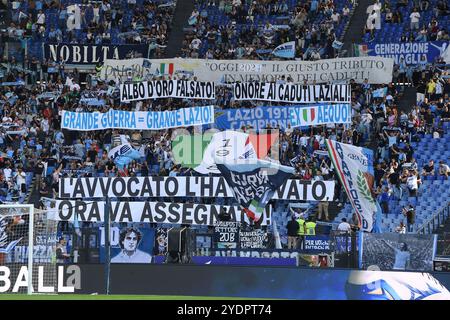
x,y
354,167
137,120
340,70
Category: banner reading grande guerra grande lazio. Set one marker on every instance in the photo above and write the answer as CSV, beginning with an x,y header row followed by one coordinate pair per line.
x,y
291,92
375,69
165,89
137,120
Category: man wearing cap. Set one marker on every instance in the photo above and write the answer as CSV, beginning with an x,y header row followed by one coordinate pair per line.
x,y
292,230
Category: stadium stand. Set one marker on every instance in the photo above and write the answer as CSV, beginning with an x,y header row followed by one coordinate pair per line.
x,y
221,30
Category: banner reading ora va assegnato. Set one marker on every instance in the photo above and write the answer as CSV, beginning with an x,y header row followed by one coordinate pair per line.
x,y
149,212
137,120
375,69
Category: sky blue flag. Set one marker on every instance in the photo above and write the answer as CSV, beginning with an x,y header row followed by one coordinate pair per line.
x,y
285,50
123,160
380,93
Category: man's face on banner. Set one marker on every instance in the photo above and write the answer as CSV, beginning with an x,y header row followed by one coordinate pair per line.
x,y
131,241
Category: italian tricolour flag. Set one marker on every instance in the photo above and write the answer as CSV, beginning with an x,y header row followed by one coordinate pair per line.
x,y
166,68
309,114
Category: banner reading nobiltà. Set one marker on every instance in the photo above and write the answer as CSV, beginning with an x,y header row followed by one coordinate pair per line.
x,y
204,187
92,54
166,89
291,93
137,120
149,212
340,70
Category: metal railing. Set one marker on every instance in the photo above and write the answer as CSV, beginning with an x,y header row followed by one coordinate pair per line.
x,y
435,220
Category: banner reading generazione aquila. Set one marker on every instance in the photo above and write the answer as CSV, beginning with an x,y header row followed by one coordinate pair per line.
x,y
375,69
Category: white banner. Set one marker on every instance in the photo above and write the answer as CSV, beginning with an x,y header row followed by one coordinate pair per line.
x,y
204,187
354,167
227,144
375,69
292,93
137,120
148,212
320,115
166,89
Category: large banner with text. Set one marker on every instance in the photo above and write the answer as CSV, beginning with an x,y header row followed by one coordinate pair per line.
x,y
340,70
204,187
92,54
137,120
292,93
282,116
166,89
412,52
148,212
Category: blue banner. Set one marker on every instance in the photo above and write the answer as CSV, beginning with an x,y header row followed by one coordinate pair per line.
x,y
137,120
93,54
317,244
258,117
280,116
412,52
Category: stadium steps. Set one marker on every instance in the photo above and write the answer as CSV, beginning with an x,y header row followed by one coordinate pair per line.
x,y
355,29
181,15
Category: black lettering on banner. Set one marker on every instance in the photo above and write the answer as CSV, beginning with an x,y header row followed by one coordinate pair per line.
x,y
78,190
94,212
80,209
91,188
293,190
147,213
167,189
146,188
319,185
122,183
114,210
221,189
160,214
305,184
201,214
186,213
158,181
174,214
126,212
129,188
189,193
65,205
62,192
105,187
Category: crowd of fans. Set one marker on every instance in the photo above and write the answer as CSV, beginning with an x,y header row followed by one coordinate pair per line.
x,y
91,22
239,29
33,143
